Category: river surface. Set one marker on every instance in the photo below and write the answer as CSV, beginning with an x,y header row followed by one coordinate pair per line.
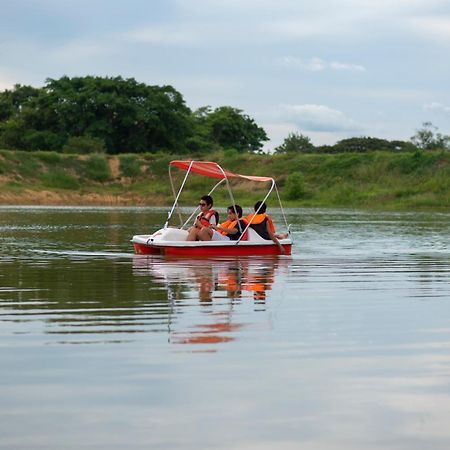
x,y
343,345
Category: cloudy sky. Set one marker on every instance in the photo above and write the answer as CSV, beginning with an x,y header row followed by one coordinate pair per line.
x,y
329,69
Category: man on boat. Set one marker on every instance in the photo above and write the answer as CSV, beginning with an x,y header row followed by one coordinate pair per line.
x,y
206,218
231,229
263,225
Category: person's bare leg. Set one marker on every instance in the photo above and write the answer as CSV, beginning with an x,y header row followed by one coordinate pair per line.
x,y
193,234
205,234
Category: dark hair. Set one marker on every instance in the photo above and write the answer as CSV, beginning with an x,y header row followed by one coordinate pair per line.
x,y
261,206
208,199
237,208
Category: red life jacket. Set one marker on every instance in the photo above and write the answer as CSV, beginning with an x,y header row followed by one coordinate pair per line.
x,y
205,218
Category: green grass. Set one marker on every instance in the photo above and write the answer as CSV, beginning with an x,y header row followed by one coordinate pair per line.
x,y
130,165
59,180
26,164
378,180
96,168
49,157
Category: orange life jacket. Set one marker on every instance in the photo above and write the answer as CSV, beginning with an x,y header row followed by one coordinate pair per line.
x,y
227,224
230,224
205,218
256,219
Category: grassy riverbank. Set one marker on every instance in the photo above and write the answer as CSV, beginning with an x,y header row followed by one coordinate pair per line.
x,y
376,180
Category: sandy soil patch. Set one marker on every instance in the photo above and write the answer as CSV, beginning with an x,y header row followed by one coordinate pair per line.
x,y
114,167
58,198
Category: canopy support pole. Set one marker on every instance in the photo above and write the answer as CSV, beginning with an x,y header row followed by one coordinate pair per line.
x,y
175,204
196,209
282,210
230,192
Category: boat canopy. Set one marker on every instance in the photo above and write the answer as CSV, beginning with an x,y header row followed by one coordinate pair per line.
x,y
213,170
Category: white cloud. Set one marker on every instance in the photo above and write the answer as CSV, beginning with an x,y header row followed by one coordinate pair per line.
x,y
437,107
436,28
278,132
319,118
311,65
200,90
317,64
290,20
334,65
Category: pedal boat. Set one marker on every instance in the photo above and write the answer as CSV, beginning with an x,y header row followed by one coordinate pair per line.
x,y
172,241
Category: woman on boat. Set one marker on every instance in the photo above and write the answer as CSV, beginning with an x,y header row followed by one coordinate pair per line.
x,y
231,229
206,218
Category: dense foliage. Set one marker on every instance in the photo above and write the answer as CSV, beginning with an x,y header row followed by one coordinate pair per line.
x,y
294,143
366,144
298,143
91,114
426,138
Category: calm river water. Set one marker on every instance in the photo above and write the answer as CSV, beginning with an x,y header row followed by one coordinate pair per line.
x,y
344,345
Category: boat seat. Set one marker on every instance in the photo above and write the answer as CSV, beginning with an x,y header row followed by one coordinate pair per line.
x,y
171,235
254,236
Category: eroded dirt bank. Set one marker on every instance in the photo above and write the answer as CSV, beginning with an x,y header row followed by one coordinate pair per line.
x,y
56,198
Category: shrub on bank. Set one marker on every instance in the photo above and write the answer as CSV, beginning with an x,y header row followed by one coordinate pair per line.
x,y
59,180
84,144
129,165
97,168
295,186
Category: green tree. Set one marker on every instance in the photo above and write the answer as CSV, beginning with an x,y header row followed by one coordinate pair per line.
x,y
295,143
11,101
128,116
84,144
365,144
123,115
361,144
427,138
228,127
201,140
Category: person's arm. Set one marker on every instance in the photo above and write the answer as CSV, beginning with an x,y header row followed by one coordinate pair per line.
x,y
274,238
224,229
197,223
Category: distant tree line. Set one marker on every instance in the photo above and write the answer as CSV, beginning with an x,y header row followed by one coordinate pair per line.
x,y
425,138
116,115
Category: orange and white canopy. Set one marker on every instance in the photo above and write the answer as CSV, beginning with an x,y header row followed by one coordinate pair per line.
x,y
213,170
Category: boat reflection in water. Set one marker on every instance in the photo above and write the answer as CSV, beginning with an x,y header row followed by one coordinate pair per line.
x,y
213,301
